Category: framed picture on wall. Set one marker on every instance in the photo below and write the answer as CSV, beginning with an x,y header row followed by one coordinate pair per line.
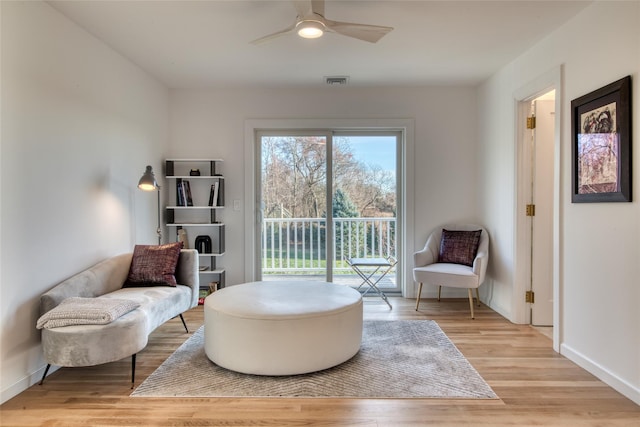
x,y
601,146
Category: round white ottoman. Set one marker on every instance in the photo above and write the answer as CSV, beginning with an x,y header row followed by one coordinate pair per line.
x,y
282,328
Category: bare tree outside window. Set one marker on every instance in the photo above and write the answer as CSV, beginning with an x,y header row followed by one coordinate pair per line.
x,y
294,176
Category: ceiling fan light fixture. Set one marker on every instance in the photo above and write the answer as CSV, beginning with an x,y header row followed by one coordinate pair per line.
x,y
310,29
310,23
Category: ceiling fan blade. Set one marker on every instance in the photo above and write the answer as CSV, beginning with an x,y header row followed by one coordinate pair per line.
x,y
303,7
274,35
369,33
317,6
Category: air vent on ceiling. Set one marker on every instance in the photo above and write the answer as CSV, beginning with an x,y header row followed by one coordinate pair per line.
x,y
336,80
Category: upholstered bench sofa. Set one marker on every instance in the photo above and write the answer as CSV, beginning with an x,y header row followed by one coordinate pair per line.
x,y
153,304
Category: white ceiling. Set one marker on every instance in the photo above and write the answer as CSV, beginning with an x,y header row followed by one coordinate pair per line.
x,y
200,44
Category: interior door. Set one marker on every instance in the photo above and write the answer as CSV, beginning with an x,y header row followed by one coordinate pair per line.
x,y
542,221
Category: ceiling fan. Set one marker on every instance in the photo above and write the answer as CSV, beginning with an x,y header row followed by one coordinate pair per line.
x,y
311,23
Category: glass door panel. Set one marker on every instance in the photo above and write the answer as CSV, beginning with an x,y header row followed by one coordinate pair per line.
x,y
365,203
293,202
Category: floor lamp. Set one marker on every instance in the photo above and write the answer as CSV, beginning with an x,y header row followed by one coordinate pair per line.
x,y
148,183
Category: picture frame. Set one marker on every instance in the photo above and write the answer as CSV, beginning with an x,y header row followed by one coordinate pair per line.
x,y
601,144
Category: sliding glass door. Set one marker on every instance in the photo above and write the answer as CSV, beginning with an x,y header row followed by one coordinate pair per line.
x,y
325,197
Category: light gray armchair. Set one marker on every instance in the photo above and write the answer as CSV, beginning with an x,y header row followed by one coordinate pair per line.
x,y
453,262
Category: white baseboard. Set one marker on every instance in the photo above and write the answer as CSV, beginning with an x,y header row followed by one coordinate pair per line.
x,y
602,373
502,311
24,383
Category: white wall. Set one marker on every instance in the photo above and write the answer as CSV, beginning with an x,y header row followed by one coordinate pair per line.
x,y
599,243
79,124
211,124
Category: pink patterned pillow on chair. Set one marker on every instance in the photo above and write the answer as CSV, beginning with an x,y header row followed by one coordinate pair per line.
x,y
153,265
459,247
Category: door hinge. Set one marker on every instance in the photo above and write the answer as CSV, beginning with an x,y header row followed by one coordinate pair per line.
x,y
531,210
529,296
531,122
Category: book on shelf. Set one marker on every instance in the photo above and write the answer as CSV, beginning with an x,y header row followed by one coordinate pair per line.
x,y
187,193
180,199
183,193
213,194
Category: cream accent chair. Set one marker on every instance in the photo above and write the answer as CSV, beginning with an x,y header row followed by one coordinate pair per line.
x,y
429,270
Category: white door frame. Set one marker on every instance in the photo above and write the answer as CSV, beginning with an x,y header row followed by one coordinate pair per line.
x,y
406,126
521,313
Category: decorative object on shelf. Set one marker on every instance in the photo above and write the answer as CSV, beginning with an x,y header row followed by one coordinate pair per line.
x,y
601,132
214,286
203,244
148,183
182,237
194,172
202,294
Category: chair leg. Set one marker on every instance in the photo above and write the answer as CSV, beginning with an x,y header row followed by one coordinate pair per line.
x,y
46,370
418,299
439,290
478,296
133,369
185,323
471,302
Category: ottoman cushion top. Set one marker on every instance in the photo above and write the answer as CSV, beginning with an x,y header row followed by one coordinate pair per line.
x,y
283,300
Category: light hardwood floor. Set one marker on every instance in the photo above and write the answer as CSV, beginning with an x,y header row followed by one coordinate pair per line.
x,y
536,386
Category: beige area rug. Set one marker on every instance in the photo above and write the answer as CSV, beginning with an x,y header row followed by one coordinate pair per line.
x,y
397,359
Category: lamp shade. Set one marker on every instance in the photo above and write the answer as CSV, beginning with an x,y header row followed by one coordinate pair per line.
x,y
148,181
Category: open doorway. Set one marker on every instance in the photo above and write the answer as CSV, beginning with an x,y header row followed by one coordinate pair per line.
x,y
540,216
536,287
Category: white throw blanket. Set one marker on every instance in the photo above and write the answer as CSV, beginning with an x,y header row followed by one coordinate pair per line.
x,y
85,311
